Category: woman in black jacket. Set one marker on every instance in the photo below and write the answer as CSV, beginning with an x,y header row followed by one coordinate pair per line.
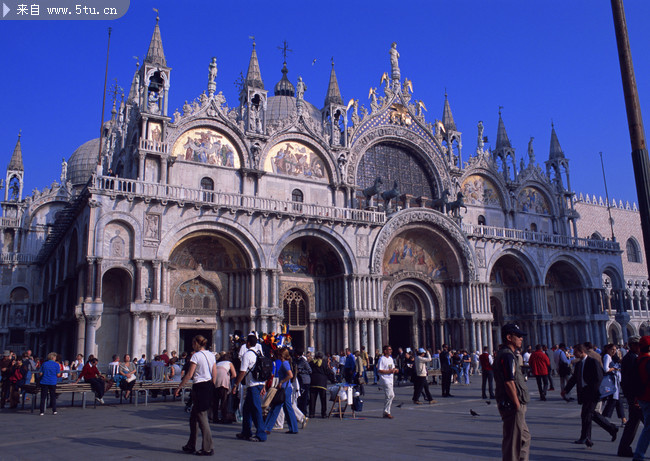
x,y
321,373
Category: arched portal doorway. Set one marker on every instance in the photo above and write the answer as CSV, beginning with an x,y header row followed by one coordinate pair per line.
x,y
312,293
113,331
210,287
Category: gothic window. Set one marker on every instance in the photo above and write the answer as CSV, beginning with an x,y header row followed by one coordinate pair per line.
x,y
196,295
393,162
295,308
632,249
481,220
596,236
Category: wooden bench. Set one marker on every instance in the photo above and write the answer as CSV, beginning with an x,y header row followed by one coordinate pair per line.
x,y
35,389
148,386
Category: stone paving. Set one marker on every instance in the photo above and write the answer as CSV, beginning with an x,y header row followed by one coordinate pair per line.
x,y
445,431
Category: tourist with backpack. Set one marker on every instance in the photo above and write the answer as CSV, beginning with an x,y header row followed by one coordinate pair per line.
x,y
256,369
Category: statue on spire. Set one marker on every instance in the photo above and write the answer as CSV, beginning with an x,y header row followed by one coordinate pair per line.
x,y
212,77
394,62
531,154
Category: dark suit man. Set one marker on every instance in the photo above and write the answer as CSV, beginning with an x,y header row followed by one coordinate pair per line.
x,y
628,376
587,376
445,370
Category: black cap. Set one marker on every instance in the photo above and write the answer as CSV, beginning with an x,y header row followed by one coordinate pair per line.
x,y
511,329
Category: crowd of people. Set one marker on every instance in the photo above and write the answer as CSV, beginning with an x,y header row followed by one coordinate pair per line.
x,y
265,387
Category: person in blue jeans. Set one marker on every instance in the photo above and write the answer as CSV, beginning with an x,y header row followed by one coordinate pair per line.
x,y
255,390
50,370
467,362
285,375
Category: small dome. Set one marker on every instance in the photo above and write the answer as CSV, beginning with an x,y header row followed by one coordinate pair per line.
x,y
284,87
83,163
281,107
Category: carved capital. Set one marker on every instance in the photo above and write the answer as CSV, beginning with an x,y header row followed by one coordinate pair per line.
x,y
92,320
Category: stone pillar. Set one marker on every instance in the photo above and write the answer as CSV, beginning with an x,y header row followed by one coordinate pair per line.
x,y
81,333
89,280
274,288
154,342
490,337
141,167
472,336
364,334
371,337
321,340
346,333
163,332
91,326
155,291
137,281
135,334
164,270
357,336
310,334
416,332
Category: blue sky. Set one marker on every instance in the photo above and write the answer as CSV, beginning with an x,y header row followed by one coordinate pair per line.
x,y
540,60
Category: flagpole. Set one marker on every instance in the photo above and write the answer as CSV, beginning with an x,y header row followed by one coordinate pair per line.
x,y
609,205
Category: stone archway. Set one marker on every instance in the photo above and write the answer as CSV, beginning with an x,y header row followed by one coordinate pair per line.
x,y
112,333
311,293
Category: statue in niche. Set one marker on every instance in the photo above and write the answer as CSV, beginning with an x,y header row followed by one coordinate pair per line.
x,y
153,102
151,227
155,133
394,62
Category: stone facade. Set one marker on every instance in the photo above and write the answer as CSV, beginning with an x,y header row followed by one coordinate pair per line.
x,y
352,226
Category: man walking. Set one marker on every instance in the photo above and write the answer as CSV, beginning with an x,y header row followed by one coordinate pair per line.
x,y
487,373
420,383
445,370
512,395
252,411
386,368
587,376
628,384
539,365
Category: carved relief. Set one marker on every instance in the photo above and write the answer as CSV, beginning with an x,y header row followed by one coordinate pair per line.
x,y
152,226
117,240
363,248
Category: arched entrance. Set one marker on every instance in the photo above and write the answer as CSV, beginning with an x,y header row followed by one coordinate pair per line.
x,y
113,331
312,293
210,287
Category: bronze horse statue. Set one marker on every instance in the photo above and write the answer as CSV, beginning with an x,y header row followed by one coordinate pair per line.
x,y
455,206
389,195
370,192
440,204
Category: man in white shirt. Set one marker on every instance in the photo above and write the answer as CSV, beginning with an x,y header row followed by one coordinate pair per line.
x,y
252,411
386,368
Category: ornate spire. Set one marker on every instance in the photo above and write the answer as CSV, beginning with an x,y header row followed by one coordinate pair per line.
x,y
502,136
135,85
333,95
555,150
254,76
156,55
284,87
447,118
16,162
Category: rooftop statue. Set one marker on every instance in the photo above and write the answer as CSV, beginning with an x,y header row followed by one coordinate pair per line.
x,y
394,62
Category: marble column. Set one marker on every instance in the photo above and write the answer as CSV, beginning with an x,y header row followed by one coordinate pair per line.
x,y
91,326
164,271
346,333
310,335
364,334
371,337
154,342
163,332
137,282
135,334
98,280
155,290
355,343
321,340
81,333
89,279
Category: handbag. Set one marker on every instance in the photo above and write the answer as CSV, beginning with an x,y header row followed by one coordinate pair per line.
x,y
607,385
278,398
130,379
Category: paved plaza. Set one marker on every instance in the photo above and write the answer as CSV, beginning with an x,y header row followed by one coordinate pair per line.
x,y
445,431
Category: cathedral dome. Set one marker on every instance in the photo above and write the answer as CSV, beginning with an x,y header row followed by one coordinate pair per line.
x,y
282,107
83,163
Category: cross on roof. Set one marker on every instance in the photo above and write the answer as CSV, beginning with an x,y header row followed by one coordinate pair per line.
x,y
285,49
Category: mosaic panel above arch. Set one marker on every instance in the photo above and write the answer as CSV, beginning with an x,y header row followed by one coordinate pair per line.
x,y
206,145
415,250
292,158
531,200
508,271
309,256
480,191
211,252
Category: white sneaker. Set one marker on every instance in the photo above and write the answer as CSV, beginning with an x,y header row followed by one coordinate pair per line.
x,y
42,414
54,413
